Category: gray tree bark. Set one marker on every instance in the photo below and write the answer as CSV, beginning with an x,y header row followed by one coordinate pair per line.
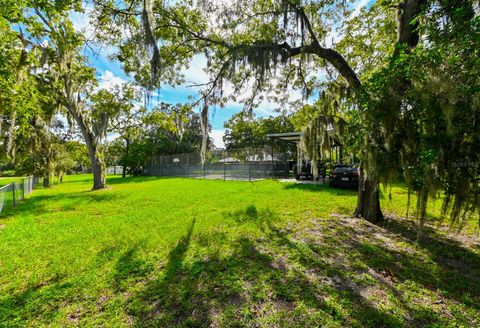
x,y
94,153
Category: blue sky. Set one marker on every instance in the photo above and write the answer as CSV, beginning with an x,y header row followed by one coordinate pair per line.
x,y
109,73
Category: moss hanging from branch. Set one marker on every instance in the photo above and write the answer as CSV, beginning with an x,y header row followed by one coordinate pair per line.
x,y
315,140
266,55
204,128
328,125
150,39
299,154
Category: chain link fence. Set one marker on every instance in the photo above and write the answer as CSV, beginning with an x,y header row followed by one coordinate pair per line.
x,y
13,193
117,169
236,164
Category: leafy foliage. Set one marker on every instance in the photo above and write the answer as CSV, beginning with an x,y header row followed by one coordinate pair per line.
x,y
433,136
244,131
166,129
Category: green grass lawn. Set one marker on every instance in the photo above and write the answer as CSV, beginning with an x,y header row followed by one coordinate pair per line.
x,y
169,252
6,180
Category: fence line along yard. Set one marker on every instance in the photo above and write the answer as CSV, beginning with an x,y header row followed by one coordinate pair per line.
x,y
236,164
14,192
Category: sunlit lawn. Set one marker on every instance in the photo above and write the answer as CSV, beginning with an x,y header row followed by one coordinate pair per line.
x,y
6,180
190,252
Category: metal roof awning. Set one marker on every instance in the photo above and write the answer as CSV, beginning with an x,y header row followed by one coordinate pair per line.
x,y
288,136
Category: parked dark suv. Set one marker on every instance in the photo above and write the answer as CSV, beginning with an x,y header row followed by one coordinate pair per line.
x,y
305,171
344,176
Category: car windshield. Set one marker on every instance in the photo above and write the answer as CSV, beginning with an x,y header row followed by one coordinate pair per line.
x,y
343,169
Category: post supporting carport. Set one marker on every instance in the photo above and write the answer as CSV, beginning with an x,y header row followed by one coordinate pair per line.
x,y
285,137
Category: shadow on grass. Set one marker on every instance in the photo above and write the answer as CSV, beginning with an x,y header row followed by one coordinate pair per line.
x,y
342,272
321,188
65,201
440,270
250,286
459,273
250,215
40,300
282,279
161,292
113,180
129,268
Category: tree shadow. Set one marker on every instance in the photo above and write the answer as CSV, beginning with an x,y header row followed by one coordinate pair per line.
x,y
41,300
150,305
438,268
113,180
459,272
343,272
39,204
129,269
342,276
250,215
250,285
334,280
321,188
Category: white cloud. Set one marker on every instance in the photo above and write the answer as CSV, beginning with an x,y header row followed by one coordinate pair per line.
x,y
195,72
358,8
217,136
81,21
108,80
112,136
266,109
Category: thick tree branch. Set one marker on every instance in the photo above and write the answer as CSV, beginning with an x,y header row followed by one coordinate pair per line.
x,y
314,48
330,55
407,32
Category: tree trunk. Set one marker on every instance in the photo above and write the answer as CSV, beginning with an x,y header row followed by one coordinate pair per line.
x,y
422,198
127,149
98,170
421,224
98,166
10,148
46,181
10,140
368,201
